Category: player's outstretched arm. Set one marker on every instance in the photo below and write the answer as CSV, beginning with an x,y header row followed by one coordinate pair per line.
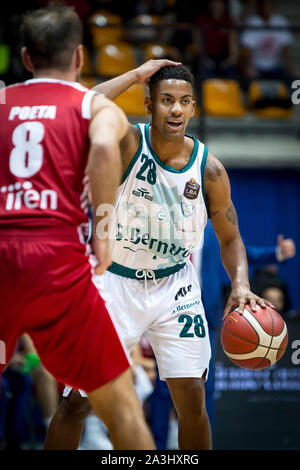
x,y
225,223
107,127
116,86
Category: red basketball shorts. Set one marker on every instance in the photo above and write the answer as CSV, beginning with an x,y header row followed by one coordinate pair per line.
x,y
46,290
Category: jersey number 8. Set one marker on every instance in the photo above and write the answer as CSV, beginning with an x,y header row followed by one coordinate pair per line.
x,y
26,157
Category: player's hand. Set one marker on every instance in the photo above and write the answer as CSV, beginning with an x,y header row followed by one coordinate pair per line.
x,y
240,296
286,248
102,252
146,70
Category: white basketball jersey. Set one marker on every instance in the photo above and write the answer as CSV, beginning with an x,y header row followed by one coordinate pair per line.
x,y
160,212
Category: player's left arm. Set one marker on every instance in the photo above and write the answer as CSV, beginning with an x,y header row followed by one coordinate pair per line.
x,y
225,223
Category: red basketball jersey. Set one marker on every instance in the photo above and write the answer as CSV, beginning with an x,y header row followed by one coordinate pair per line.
x,y
44,148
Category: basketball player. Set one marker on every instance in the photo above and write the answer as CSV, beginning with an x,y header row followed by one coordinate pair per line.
x,y
170,185
51,130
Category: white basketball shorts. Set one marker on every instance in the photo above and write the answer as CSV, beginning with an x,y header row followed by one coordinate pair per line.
x,y
168,311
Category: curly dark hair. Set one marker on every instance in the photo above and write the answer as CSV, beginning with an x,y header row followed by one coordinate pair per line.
x,y
179,72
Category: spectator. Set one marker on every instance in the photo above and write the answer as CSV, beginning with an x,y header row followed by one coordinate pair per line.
x,y
240,10
276,295
266,280
14,404
265,52
45,385
28,400
186,12
220,46
127,10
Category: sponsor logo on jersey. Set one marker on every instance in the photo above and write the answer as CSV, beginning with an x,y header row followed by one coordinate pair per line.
x,y
191,189
163,249
142,192
187,209
183,291
21,195
181,308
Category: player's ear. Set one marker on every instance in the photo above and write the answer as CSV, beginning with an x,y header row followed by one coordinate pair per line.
x,y
79,57
148,105
194,108
26,59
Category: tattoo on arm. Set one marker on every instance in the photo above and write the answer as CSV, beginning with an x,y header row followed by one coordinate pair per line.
x,y
231,215
213,171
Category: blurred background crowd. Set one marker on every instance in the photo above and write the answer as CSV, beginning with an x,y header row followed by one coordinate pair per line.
x,y
245,58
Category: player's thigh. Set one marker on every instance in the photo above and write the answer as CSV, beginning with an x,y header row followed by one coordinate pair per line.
x,y
116,400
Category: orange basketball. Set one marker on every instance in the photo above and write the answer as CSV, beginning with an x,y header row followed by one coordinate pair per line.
x,y
254,340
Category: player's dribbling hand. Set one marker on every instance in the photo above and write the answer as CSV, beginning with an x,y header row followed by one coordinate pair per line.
x,y
102,252
146,70
240,296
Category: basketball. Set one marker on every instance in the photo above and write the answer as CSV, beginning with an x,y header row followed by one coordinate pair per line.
x,y
254,340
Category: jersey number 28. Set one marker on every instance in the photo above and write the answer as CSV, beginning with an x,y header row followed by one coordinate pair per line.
x,y
148,164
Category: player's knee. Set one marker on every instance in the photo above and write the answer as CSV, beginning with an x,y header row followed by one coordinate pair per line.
x,y
74,407
193,405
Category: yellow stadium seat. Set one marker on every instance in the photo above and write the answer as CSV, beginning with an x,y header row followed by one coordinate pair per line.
x,y
255,94
160,50
100,30
222,98
115,59
132,100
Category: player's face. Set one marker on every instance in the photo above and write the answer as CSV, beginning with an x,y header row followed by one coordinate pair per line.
x,y
172,106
